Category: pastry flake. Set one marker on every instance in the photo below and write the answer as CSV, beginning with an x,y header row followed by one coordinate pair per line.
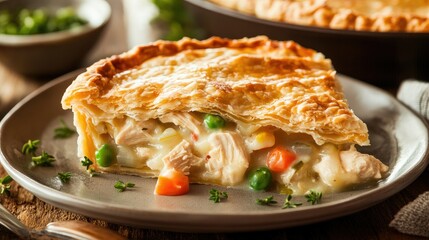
x,y
211,110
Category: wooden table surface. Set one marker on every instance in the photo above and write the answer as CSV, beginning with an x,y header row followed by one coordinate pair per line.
x,y
372,223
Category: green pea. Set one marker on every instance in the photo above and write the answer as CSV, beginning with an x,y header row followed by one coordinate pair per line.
x,y
260,179
214,121
105,155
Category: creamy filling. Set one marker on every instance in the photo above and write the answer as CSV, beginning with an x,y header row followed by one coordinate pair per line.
x,y
224,156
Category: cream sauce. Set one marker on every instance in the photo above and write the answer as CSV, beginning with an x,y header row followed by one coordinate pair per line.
x,y
225,156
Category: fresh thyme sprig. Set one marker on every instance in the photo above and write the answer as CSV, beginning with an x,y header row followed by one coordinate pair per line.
x,y
289,204
86,162
43,160
30,147
266,201
5,185
216,195
313,197
121,186
64,131
64,176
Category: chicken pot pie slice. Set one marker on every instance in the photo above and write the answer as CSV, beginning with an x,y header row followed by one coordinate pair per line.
x,y
359,15
213,111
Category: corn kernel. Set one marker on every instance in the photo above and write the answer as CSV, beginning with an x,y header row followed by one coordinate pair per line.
x,y
262,140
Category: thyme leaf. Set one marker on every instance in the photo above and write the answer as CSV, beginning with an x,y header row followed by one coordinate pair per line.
x,y
86,162
43,160
5,185
313,197
289,204
30,147
216,196
6,180
64,176
121,186
266,201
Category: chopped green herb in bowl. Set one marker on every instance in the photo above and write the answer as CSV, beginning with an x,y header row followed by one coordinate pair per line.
x,y
47,38
28,21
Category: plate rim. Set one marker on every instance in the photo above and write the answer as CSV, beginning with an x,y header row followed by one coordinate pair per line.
x,y
57,198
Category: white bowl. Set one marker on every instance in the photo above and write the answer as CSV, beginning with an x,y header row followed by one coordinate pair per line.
x,y
58,52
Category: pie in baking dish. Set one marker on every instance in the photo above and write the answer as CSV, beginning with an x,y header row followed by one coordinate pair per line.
x,y
212,111
360,15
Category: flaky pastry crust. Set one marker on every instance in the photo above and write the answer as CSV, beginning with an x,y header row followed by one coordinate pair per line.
x,y
359,15
252,80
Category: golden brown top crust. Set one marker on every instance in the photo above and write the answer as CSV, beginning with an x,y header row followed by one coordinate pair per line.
x,y
256,81
359,15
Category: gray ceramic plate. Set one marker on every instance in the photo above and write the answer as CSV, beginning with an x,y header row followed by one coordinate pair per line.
x,y
399,138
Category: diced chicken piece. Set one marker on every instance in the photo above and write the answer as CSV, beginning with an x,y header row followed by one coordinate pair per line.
x,y
363,165
165,142
128,134
179,158
340,168
227,161
183,119
330,169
